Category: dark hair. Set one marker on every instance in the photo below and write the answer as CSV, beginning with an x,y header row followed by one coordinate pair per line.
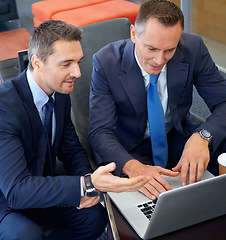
x,y
46,34
166,12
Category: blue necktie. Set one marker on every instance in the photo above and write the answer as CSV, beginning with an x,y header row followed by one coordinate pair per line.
x,y
48,170
48,119
156,124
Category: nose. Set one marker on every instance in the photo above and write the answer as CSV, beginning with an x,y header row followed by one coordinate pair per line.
x,y
159,58
75,71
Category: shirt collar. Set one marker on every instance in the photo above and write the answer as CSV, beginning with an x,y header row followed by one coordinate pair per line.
x,y
145,74
40,98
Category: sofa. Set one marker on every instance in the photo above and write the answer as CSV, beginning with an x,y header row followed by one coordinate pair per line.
x,y
83,12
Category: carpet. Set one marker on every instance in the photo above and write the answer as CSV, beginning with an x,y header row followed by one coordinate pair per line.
x,y
13,41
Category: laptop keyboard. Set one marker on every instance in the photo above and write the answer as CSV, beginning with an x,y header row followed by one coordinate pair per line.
x,y
147,208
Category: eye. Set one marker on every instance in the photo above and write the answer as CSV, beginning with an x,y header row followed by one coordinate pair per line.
x,y
65,64
151,48
170,50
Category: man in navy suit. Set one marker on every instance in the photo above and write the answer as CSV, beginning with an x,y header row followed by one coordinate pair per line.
x,y
118,99
32,197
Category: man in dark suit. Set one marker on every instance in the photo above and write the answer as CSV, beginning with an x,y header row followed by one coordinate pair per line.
x,y
118,100
31,195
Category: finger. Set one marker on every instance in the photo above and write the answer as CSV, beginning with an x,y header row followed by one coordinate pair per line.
x,y
184,172
108,168
168,172
128,184
136,183
162,185
192,173
152,189
200,171
177,168
91,201
147,193
91,204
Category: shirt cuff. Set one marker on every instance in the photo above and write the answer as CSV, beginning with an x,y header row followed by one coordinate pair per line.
x,y
81,186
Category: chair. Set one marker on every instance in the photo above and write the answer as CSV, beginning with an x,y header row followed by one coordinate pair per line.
x,y
8,10
8,69
94,37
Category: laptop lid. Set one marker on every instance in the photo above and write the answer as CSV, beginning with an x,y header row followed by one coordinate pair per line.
x,y
175,209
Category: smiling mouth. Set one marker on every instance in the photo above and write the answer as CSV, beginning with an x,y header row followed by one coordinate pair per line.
x,y
71,81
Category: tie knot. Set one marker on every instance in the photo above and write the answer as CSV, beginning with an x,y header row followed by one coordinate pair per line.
x,y
50,104
154,79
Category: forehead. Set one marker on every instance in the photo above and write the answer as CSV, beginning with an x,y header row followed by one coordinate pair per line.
x,y
159,36
62,49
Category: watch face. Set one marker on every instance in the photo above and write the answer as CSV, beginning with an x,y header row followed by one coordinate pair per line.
x,y
206,134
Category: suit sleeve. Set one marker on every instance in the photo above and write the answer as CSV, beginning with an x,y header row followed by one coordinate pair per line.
x,y
102,124
211,85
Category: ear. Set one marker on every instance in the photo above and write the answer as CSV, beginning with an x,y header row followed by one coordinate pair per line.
x,y
132,33
37,63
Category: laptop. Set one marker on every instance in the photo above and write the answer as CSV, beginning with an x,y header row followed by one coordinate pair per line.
x,y
175,209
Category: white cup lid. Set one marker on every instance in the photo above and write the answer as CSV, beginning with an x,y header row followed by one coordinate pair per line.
x,y
222,159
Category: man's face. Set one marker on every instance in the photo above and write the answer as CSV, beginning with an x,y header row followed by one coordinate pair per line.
x,y
156,45
60,70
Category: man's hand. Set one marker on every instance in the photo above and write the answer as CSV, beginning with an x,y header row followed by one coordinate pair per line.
x,y
104,181
87,202
156,184
195,156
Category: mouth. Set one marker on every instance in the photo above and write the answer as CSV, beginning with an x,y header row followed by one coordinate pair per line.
x,y
70,81
155,68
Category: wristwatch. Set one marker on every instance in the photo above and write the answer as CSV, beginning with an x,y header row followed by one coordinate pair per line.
x,y
90,189
205,135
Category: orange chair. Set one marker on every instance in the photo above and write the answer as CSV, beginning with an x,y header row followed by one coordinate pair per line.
x,y
44,10
83,12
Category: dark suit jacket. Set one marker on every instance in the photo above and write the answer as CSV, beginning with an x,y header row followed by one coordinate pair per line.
x,y
118,115
23,147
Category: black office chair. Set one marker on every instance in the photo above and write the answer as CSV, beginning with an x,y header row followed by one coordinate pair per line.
x,y
94,37
8,10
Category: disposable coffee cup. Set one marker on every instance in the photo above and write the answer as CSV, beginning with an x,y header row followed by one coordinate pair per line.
x,y
222,163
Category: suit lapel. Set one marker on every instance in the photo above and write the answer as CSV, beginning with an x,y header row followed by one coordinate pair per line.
x,y
59,112
132,81
38,136
177,75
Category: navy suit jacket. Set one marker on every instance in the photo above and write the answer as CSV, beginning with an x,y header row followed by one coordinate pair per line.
x,y
23,147
118,115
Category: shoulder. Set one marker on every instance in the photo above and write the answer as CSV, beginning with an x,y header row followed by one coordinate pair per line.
x,y
12,88
114,49
190,43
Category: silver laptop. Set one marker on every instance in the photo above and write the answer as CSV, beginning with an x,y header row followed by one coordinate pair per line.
x,y
174,209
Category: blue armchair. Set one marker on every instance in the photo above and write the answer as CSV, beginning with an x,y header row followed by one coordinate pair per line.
x,y
8,10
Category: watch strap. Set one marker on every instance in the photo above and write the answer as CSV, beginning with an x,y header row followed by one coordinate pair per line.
x,y
90,189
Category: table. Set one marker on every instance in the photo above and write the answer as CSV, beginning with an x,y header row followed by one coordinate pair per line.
x,y
214,229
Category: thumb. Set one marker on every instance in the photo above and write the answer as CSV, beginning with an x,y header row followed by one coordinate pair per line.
x,y
177,168
108,168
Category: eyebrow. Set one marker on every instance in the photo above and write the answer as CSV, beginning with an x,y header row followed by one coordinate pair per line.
x,y
70,60
159,49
